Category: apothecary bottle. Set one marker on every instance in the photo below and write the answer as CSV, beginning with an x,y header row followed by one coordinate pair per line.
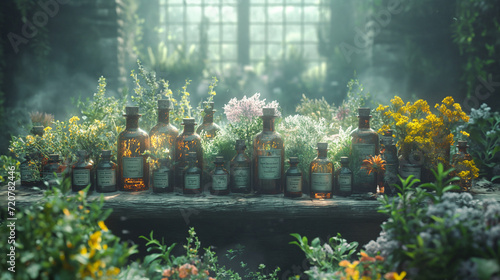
x,y
365,143
268,157
163,177
106,173
53,170
163,134
133,171
220,178
459,165
208,128
192,175
82,173
240,170
344,178
187,142
321,174
293,179
389,153
28,171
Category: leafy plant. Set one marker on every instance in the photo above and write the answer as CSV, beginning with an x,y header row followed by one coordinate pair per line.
x,y
5,163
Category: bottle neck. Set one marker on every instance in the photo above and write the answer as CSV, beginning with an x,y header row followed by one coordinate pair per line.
x,y
240,151
293,165
209,117
364,122
132,122
164,116
218,166
462,150
268,123
188,129
322,153
106,159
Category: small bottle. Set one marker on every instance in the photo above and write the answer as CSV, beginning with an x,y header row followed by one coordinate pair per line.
x,y
82,173
344,178
268,157
220,178
240,170
163,177
365,143
192,175
458,165
53,166
106,173
208,128
163,134
132,143
188,141
28,171
321,174
293,182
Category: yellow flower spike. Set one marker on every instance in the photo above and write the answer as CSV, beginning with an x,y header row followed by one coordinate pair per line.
x,y
399,276
83,251
66,212
102,226
47,128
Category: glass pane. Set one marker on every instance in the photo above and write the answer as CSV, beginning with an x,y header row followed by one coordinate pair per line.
x,y
229,51
257,51
193,33
194,14
211,2
213,33
275,51
275,1
229,14
174,2
257,14
257,32
293,14
213,52
275,33
212,13
190,2
311,14
310,33
175,33
311,51
293,33
175,14
275,14
229,32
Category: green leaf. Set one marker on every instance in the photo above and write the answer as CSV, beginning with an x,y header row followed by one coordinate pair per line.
x,y
150,258
486,268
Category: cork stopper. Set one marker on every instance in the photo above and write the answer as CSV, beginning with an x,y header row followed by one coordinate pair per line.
x,y
240,144
188,121
132,111
106,153
322,146
364,112
462,144
219,159
293,160
54,157
165,104
344,160
38,130
208,106
268,112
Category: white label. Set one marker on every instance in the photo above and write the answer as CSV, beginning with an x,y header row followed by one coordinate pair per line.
x,y
406,171
270,166
27,173
219,182
241,176
364,150
106,177
192,182
160,179
133,167
321,182
81,177
294,183
345,182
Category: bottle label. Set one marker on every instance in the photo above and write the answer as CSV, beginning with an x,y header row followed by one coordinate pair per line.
x,y
160,179
106,177
364,150
321,182
241,176
407,170
27,173
270,165
133,167
294,183
345,182
81,177
219,182
192,182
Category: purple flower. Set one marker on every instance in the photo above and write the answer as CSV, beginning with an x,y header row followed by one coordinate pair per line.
x,y
248,108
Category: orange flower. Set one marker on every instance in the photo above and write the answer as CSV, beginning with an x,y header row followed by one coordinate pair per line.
x,y
194,270
366,258
168,272
379,258
374,164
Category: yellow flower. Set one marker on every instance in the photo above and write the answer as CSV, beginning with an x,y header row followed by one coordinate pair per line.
x,y
47,128
448,100
66,212
95,240
397,101
464,133
74,119
102,226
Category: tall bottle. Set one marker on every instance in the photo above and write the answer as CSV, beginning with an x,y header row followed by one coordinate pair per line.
x,y
321,174
208,128
163,134
220,178
240,170
82,173
163,177
192,175
268,157
53,170
106,173
187,142
132,142
365,142
344,178
293,179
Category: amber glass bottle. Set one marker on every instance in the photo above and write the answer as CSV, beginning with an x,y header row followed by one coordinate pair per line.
x,y
344,178
163,177
321,174
82,173
28,171
220,178
365,142
53,166
268,157
208,128
192,175
240,170
132,142
163,134
187,142
293,181
106,173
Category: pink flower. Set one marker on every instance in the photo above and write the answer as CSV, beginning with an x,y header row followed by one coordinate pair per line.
x,y
248,108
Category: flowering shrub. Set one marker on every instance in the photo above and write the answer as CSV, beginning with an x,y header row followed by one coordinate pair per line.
x,y
248,108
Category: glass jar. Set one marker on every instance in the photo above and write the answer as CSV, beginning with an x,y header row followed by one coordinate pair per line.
x,y
240,168
82,173
293,179
220,178
106,173
344,178
321,174
163,177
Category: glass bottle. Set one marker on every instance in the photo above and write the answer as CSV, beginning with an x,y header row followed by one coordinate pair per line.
x,y
321,174
458,164
365,142
187,142
163,177
28,171
133,171
106,173
163,134
293,182
220,178
268,157
208,128
389,153
53,166
344,178
82,173
192,175
240,170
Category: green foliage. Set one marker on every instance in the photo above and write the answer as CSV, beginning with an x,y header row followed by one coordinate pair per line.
x,y
64,237
339,145
5,163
